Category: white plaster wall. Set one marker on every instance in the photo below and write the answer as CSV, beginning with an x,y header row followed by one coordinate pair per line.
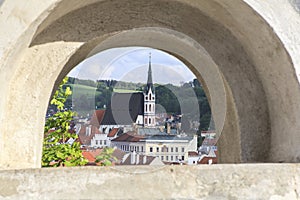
x,y
100,137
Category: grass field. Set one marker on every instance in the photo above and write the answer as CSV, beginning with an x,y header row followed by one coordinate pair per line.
x,y
124,90
88,91
79,90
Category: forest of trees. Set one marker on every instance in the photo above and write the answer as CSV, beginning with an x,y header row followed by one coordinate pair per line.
x,y
169,96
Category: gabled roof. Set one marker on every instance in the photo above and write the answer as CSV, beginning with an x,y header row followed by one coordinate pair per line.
x,y
124,109
211,156
113,132
86,139
97,118
129,137
193,154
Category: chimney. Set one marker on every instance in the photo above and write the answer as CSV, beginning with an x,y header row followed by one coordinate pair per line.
x,y
137,159
168,128
132,158
144,160
90,129
86,130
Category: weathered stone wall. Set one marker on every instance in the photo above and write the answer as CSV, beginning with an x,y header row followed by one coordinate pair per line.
x,y
252,181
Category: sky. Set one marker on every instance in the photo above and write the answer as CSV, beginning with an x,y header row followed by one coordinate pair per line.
x,y
131,64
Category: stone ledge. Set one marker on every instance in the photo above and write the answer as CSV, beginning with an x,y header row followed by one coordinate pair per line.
x,y
228,181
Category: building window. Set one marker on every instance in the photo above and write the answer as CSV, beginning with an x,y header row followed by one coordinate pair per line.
x,y
182,149
162,157
145,120
171,158
146,97
151,149
149,120
142,148
176,149
104,142
176,157
157,149
150,96
137,149
171,149
167,157
150,107
100,142
182,157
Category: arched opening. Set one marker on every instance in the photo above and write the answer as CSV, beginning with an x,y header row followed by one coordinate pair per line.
x,y
176,88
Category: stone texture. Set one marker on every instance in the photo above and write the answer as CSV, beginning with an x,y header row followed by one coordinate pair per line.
x,y
252,181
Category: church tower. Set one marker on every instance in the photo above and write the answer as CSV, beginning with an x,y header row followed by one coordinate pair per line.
x,y
149,100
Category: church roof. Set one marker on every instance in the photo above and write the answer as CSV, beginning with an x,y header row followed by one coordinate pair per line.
x,y
97,117
124,109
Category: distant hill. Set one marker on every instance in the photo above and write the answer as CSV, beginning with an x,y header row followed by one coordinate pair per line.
x,y
90,95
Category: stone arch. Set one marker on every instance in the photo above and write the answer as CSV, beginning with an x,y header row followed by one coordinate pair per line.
x,y
261,87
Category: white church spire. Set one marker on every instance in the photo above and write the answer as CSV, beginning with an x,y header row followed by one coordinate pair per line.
x,y
149,99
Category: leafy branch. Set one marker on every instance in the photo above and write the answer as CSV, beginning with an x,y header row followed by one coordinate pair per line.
x,y
105,158
57,150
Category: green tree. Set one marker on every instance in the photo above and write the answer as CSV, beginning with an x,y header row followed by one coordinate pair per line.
x,y
56,149
105,158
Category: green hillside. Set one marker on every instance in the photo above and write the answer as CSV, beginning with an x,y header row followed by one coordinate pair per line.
x,y
124,90
79,90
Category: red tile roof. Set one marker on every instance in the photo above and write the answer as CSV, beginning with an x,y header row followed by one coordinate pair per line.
x,y
193,154
97,118
86,139
206,159
129,137
113,132
88,156
93,153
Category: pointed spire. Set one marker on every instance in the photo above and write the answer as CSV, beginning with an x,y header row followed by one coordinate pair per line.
x,y
149,81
